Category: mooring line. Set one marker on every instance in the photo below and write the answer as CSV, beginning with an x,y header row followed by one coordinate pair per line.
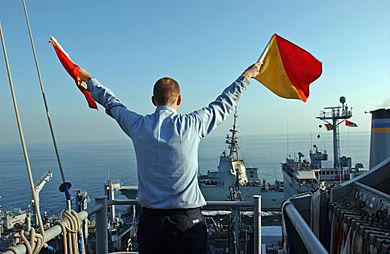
x,y
26,159
65,186
43,92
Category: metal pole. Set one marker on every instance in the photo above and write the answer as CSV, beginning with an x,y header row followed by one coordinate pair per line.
x,y
257,224
335,143
101,226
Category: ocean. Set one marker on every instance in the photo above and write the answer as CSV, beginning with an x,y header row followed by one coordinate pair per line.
x,y
88,165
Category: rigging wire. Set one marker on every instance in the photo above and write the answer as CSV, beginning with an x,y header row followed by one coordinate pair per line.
x,y
65,186
27,161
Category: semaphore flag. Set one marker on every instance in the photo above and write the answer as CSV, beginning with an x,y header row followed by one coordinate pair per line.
x,y
287,69
350,124
73,71
328,126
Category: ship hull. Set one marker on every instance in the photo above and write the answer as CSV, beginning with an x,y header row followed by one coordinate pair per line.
x,y
270,200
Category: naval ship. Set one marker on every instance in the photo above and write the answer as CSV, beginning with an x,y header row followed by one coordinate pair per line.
x,y
233,174
300,175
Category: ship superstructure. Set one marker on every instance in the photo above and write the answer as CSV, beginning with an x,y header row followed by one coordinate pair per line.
x,y
301,176
354,217
233,175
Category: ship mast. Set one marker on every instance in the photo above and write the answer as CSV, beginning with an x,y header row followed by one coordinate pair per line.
x,y
231,140
334,114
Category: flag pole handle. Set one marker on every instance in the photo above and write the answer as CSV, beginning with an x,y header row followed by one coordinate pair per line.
x,y
264,53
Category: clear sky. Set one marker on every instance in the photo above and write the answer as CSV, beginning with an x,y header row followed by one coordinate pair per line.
x,y
205,45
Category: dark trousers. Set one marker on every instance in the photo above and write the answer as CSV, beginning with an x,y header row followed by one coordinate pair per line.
x,y
181,231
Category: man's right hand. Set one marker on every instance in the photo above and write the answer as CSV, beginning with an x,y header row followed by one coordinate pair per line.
x,y
252,71
84,75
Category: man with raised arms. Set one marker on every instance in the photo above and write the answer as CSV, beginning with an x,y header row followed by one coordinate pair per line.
x,y
166,146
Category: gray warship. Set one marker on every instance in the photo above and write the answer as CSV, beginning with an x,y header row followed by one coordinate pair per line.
x,y
301,175
233,174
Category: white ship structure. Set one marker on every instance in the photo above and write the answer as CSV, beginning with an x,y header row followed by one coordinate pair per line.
x,y
300,176
353,217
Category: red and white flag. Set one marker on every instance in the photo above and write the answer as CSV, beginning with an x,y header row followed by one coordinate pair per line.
x,y
350,124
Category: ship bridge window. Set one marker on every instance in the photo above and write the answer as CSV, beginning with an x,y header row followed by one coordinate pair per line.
x,y
332,172
327,172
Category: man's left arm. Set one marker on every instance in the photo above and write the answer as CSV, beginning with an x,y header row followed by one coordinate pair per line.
x,y
218,110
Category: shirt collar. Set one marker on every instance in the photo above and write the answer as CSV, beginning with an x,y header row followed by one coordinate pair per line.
x,y
166,107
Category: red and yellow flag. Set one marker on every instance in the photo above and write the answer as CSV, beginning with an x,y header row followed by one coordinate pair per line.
x,y
73,71
287,69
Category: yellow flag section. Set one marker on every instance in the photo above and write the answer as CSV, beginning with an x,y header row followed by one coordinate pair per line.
x,y
287,69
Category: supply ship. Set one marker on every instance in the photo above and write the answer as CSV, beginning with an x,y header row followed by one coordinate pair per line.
x,y
300,175
353,217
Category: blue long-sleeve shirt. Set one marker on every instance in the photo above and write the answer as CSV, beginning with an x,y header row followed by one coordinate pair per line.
x,y
166,144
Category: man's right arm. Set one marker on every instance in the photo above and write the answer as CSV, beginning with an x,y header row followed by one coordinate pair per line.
x,y
105,97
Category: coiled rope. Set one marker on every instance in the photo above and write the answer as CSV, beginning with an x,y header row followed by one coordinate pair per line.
x,y
72,231
32,241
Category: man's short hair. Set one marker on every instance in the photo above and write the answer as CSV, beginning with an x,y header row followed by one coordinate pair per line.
x,y
165,91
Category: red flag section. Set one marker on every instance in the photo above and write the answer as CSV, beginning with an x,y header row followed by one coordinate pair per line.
x,y
350,124
73,71
287,69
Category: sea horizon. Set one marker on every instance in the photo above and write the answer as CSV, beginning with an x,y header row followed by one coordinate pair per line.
x,y
88,164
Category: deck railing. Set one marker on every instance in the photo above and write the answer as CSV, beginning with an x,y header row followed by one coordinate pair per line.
x,y
305,235
100,211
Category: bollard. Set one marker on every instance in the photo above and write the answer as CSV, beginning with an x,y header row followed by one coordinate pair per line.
x,y
257,224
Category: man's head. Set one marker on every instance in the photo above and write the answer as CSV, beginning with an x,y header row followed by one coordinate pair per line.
x,y
166,91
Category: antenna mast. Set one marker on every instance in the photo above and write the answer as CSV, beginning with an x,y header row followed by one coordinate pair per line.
x,y
232,140
334,114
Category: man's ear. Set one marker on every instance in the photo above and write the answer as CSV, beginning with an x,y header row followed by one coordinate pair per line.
x,y
154,101
178,102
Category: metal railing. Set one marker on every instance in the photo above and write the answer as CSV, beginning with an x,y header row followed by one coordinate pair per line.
x,y
100,211
305,234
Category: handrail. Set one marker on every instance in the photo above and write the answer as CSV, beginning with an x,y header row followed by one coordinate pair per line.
x,y
311,242
256,204
209,203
